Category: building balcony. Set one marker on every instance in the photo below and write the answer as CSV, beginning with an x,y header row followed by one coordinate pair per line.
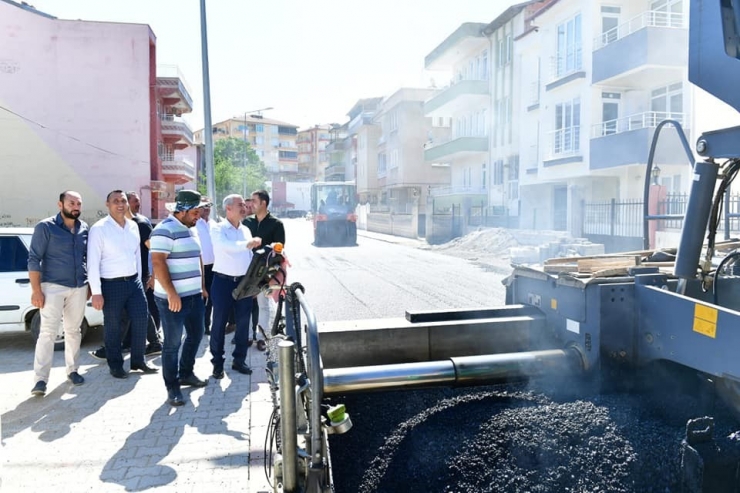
x,y
339,145
177,170
627,141
647,51
173,88
364,118
462,95
455,149
564,146
334,172
176,131
465,39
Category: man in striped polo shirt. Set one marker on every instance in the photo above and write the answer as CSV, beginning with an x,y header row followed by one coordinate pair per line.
x,y
179,291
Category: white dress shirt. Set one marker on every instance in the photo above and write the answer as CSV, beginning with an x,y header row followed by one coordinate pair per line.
x,y
112,251
232,257
204,238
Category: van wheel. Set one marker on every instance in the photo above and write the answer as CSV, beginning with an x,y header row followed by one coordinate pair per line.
x,y
59,340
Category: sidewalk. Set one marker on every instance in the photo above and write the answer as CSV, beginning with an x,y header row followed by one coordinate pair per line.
x,y
121,435
398,240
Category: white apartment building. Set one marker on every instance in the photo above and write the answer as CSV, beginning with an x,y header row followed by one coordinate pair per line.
x,y
464,104
403,178
597,79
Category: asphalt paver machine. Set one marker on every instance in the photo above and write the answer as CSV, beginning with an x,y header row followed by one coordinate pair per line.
x,y
555,320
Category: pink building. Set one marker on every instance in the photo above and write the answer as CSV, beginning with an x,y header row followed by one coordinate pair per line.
x,y
81,107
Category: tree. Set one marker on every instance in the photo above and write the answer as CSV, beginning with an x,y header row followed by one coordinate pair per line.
x,y
230,156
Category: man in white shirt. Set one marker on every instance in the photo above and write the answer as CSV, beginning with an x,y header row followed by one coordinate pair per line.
x,y
114,273
203,227
232,248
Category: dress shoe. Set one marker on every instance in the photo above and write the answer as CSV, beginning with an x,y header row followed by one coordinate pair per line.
x,y
144,368
261,345
193,381
75,378
230,328
39,389
241,368
218,373
175,398
118,373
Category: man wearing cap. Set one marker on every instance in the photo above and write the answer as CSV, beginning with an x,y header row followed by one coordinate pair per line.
x,y
232,247
179,291
114,272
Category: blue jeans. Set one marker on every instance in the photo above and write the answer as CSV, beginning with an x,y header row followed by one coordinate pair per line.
x,y
223,303
190,317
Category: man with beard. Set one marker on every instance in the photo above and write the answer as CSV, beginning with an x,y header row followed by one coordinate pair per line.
x,y
58,274
114,271
271,230
179,290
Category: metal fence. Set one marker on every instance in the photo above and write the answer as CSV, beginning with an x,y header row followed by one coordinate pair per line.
x,y
625,217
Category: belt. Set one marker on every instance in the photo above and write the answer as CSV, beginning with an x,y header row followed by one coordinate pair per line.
x,y
125,278
230,278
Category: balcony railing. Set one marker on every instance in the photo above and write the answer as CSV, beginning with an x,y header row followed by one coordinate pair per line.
x,y
175,124
564,64
649,119
457,190
651,18
174,165
565,142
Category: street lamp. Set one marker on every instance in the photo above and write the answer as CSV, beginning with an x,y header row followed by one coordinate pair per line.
x,y
259,112
655,174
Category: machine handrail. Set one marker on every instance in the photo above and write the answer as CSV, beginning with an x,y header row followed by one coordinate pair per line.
x,y
315,374
648,175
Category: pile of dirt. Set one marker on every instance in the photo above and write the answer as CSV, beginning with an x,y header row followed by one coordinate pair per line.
x,y
494,241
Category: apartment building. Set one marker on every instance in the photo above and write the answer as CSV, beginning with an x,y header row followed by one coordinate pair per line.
x,y
599,78
340,151
274,142
464,105
83,107
312,155
345,155
402,178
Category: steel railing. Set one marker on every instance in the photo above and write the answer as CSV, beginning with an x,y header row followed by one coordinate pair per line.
x,y
648,119
650,18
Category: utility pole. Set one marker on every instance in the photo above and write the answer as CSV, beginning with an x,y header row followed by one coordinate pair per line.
x,y
208,129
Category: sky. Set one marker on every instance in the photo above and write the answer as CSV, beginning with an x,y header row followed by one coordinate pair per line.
x,y
310,60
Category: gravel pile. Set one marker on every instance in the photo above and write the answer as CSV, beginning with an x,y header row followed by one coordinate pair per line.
x,y
512,439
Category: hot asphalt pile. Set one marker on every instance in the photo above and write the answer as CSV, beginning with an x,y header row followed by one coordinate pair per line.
x,y
510,438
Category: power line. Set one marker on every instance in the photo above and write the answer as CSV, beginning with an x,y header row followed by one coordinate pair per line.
x,y
71,137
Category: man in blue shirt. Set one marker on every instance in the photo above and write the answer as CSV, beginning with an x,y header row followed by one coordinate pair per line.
x,y
57,268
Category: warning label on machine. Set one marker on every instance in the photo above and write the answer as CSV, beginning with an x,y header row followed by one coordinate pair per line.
x,y
705,320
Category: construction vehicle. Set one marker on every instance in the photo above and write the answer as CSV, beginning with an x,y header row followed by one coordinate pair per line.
x,y
559,318
333,207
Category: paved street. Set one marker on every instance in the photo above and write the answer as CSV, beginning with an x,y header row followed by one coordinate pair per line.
x,y
120,435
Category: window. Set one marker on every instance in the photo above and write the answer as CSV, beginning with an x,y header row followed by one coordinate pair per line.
x,y
393,121
483,177
394,159
667,102
259,140
609,112
667,13
609,24
483,66
569,57
498,172
288,155
260,127
382,165
13,254
567,127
